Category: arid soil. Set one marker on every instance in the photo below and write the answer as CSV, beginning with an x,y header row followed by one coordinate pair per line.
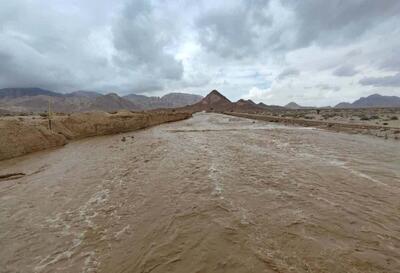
x,y
380,122
385,117
213,193
21,135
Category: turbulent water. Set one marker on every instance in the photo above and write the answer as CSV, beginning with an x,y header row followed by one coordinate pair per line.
x,y
210,194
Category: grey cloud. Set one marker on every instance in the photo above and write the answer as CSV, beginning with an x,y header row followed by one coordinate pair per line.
x,y
345,71
337,21
387,81
132,45
140,41
289,72
251,28
234,32
391,62
44,46
328,87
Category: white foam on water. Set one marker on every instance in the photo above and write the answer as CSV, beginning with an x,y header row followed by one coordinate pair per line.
x,y
343,165
85,214
125,229
213,176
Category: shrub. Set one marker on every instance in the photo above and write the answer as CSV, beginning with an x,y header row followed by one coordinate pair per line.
x,y
394,118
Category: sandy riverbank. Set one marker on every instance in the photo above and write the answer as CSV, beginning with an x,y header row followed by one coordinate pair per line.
x,y
23,135
342,125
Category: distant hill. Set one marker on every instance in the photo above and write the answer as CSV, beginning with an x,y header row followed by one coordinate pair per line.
x,y
343,105
12,93
216,102
180,99
171,100
113,102
374,100
82,93
293,105
270,107
36,100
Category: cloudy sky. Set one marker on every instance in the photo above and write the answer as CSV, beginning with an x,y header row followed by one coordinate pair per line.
x,y
314,52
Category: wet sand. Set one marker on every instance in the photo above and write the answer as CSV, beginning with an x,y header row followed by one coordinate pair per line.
x,y
214,193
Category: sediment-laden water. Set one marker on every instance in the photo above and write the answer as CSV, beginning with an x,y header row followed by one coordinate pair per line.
x,y
210,194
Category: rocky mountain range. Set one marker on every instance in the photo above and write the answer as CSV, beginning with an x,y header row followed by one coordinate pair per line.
x,y
374,100
37,100
293,105
216,102
171,100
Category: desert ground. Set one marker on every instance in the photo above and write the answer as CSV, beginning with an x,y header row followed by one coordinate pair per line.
x,y
213,193
369,116
379,122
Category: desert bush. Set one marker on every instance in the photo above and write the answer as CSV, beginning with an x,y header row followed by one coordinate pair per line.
x,y
327,116
394,118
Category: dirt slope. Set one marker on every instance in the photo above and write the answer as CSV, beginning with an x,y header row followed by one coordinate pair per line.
x,y
22,135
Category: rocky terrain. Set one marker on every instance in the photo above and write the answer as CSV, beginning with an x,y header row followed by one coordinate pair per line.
x,y
372,101
36,100
375,100
171,100
22,135
385,126
216,102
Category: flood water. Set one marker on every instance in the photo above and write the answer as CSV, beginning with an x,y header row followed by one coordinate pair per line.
x,y
210,194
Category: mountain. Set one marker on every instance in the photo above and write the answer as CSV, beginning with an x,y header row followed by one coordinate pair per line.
x,y
12,93
216,102
171,100
180,99
269,107
113,102
343,105
374,100
37,100
82,93
293,105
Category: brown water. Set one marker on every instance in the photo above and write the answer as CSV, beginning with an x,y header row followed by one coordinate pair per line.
x,y
210,194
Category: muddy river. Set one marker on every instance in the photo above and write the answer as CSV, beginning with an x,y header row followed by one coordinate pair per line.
x,y
210,194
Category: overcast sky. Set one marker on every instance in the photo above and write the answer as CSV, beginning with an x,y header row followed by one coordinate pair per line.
x,y
314,52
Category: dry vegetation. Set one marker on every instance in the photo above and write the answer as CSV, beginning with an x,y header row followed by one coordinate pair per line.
x,y
381,122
